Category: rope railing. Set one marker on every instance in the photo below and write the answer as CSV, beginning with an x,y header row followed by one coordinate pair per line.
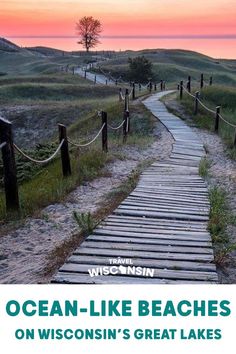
x,y
39,161
122,96
8,155
230,124
204,106
206,83
90,142
3,144
189,93
216,112
131,92
118,127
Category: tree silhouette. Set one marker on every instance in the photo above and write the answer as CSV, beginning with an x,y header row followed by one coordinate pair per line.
x,y
89,30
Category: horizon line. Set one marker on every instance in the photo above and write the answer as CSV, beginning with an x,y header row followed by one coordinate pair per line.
x,y
216,36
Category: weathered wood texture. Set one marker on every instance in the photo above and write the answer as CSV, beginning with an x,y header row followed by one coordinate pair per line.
x,y
162,224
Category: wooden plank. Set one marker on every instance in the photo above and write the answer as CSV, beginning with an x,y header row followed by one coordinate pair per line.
x,y
144,247
158,222
166,228
150,263
71,278
168,192
156,232
142,254
135,205
168,210
150,241
199,191
170,199
161,214
158,273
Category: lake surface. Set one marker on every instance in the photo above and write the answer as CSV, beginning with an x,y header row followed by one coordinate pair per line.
x,y
217,47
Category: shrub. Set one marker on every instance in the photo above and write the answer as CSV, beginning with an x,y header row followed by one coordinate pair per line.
x,y
140,69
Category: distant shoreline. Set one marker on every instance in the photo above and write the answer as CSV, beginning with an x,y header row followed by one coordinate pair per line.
x,y
218,47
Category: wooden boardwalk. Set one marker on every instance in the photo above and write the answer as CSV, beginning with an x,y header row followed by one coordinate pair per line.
x,y
161,225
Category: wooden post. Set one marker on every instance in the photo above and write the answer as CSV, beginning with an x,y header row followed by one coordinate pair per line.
x,y
128,121
125,126
126,100
181,89
95,79
161,85
202,81
164,85
116,82
85,74
120,94
217,119
211,81
133,91
150,87
155,86
235,138
139,87
73,70
196,103
65,156
9,166
104,132
178,86
189,84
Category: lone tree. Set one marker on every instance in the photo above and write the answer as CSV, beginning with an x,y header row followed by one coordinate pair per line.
x,y
140,69
89,30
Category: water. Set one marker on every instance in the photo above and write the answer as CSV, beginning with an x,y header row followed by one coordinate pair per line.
x,y
217,47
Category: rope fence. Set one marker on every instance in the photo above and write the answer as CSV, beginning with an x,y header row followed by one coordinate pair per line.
x,y
116,128
39,161
197,101
8,153
205,107
90,142
3,144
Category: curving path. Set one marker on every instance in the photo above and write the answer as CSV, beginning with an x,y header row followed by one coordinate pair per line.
x,y
161,225
100,79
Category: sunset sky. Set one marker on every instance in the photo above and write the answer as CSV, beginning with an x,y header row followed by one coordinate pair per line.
x,y
119,18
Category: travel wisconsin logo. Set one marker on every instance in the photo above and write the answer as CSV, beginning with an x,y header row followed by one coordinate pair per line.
x,y
121,266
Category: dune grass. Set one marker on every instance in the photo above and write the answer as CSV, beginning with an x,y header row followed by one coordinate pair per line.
x,y
216,96
22,93
220,218
175,65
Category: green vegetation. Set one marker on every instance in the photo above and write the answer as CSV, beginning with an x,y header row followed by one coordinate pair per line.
x,y
49,186
204,167
36,104
86,222
47,92
175,65
214,96
140,69
218,215
220,218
